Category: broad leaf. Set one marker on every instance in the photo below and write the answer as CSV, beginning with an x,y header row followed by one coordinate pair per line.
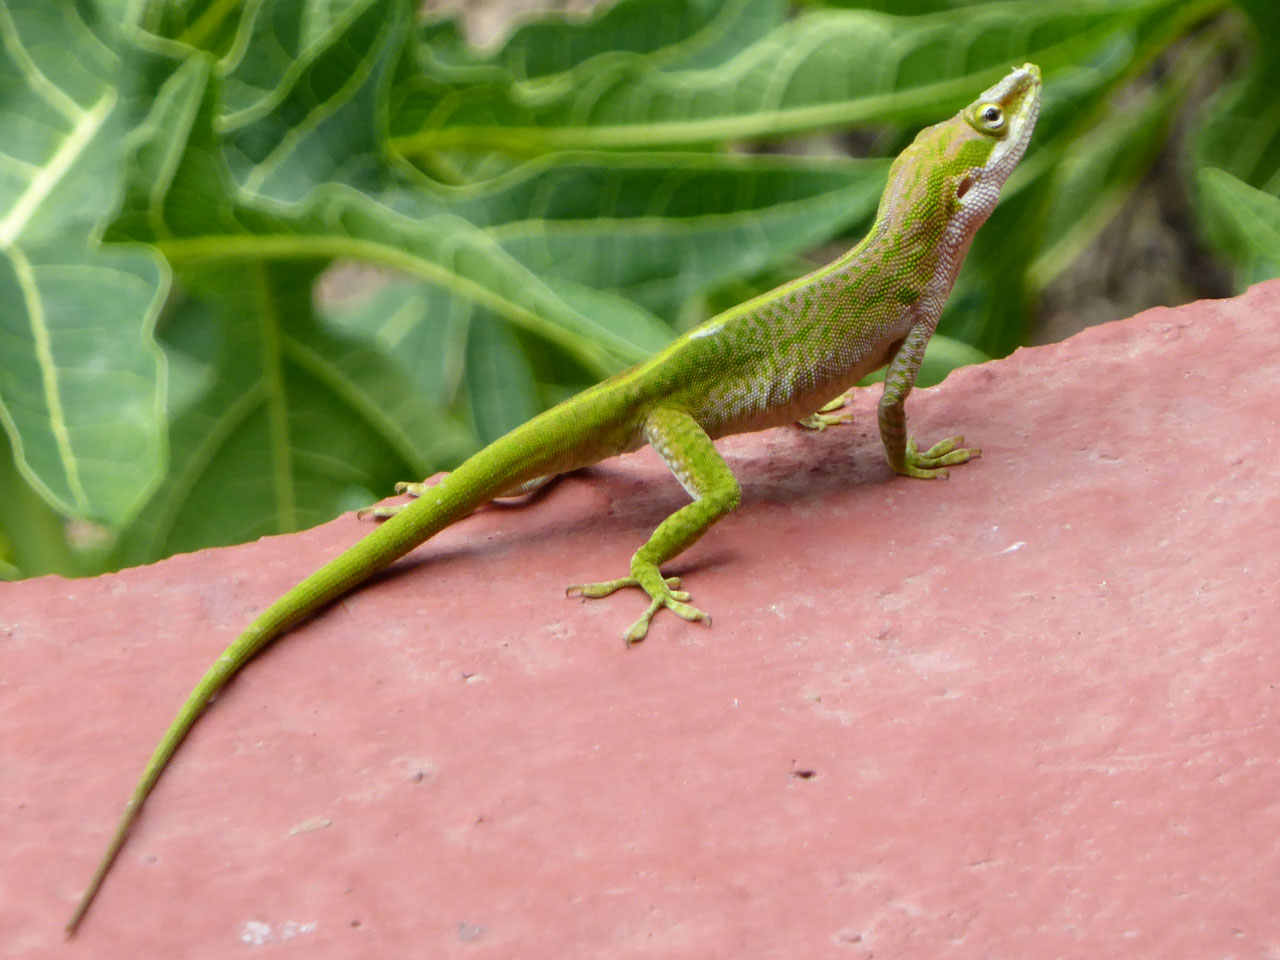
x,y
823,69
280,423
1238,146
678,34
1249,217
80,378
661,229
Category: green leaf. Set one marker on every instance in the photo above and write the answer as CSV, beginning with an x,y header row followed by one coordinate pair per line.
x,y
628,321
1239,131
824,69
661,229
501,388
32,540
280,422
204,24
559,50
279,43
80,380
285,206
912,8
689,34
658,228
1249,216
414,324
1238,140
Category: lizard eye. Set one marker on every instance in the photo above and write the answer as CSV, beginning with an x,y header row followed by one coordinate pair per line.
x,y
990,117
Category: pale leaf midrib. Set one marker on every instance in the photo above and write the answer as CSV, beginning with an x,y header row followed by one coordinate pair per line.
x,y
50,174
277,406
49,378
604,362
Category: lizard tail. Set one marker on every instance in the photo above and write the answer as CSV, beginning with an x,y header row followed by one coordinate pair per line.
x,y
480,479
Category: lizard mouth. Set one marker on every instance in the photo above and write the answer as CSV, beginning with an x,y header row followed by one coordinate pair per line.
x,y
1020,91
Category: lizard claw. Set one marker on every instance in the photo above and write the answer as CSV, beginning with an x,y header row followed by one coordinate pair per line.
x,y
933,463
383,511
661,594
826,417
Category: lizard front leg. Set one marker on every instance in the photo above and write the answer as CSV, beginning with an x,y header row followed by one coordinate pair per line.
x,y
901,450
693,458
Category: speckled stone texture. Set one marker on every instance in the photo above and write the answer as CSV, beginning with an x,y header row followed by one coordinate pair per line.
x,y
1031,712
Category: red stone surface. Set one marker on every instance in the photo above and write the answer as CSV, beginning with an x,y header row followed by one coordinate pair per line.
x,y
1031,712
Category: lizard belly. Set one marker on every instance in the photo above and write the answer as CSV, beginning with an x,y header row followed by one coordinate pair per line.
x,y
750,403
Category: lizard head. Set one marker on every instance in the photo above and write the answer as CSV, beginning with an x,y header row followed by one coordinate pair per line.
x,y
949,178
999,124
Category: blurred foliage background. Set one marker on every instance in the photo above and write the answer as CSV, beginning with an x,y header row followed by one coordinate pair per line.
x,y
261,259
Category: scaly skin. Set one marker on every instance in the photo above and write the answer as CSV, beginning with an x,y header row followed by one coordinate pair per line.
x,y
766,362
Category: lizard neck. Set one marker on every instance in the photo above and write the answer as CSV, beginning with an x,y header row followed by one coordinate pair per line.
x,y
922,231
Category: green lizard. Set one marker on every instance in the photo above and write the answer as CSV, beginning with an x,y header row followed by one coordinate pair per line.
x,y
761,364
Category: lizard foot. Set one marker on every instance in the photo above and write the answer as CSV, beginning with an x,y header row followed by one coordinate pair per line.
x,y
382,511
933,463
661,594
826,417
416,489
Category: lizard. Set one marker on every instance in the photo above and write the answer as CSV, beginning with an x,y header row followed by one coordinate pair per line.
x,y
763,363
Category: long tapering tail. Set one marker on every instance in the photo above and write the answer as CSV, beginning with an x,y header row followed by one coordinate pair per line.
x,y
486,475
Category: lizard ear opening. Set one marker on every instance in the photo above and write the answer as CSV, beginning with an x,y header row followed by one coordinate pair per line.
x,y
964,186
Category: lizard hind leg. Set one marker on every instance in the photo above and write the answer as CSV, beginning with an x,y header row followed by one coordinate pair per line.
x,y
417,489
827,415
693,458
